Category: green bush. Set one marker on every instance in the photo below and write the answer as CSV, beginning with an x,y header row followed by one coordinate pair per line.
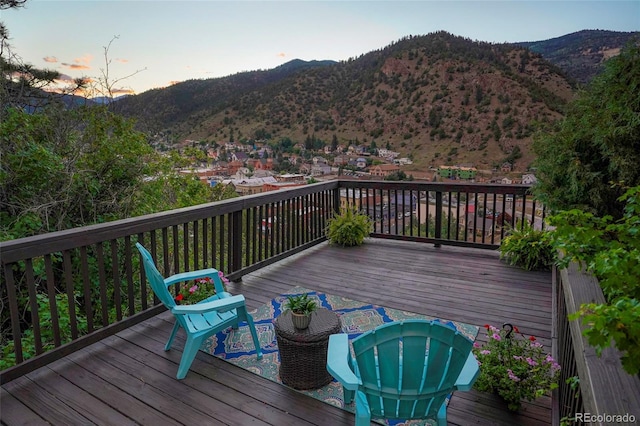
x,y
610,250
349,227
528,248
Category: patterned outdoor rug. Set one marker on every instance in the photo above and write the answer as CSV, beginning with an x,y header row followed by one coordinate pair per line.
x,y
236,346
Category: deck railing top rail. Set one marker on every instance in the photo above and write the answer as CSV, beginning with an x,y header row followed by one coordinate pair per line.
x,y
38,245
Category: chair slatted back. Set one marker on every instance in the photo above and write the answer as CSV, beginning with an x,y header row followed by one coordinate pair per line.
x,y
155,278
408,368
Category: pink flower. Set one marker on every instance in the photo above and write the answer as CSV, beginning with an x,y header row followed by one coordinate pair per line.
x,y
517,358
193,289
496,336
512,376
476,345
485,352
223,278
531,362
549,359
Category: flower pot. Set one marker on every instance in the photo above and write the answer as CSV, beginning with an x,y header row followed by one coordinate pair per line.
x,y
300,321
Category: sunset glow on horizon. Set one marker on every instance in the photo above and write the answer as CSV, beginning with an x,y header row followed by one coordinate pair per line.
x,y
147,45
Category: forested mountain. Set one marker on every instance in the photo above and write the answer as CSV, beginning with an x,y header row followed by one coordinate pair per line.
x,y
581,55
438,99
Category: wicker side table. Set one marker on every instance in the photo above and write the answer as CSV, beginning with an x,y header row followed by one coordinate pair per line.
x,y
303,353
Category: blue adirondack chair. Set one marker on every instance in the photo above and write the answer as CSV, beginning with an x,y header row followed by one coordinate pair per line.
x,y
403,370
200,320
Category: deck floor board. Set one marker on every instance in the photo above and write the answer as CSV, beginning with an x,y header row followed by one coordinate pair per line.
x,y
129,378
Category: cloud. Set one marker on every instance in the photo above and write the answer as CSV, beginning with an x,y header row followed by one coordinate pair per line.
x,y
86,60
123,91
50,59
76,66
122,61
80,63
281,55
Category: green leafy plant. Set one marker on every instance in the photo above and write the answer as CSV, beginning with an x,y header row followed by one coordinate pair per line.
x,y
610,250
47,338
528,248
514,366
349,227
202,289
300,304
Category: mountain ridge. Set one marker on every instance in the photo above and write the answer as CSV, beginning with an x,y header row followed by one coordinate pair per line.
x,y
438,99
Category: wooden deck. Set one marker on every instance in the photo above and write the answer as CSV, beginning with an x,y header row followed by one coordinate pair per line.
x,y
129,379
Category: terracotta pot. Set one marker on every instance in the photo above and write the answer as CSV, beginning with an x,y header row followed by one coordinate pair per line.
x,y
300,321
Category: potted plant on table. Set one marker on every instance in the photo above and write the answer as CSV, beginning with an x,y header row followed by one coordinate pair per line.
x,y
514,366
301,307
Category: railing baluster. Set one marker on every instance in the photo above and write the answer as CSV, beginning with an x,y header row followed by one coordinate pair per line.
x,y
129,273
224,253
176,252
143,281
13,313
33,303
102,285
205,244
116,280
261,231
196,245
186,237
214,248
457,238
71,299
53,306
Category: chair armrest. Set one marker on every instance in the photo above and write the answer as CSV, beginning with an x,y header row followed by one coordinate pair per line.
x,y
221,305
191,275
338,361
469,374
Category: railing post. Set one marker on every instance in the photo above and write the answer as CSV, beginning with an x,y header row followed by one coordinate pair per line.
x,y
336,200
438,230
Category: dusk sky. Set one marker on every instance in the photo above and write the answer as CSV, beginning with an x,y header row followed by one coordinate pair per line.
x,y
175,41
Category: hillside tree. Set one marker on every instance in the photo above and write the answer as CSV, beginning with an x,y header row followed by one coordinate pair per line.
x,y
595,152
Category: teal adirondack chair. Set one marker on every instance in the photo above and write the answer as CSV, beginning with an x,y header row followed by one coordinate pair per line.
x,y
403,370
203,319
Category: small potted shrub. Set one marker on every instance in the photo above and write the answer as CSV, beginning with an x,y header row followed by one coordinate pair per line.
x,y
301,307
349,227
528,248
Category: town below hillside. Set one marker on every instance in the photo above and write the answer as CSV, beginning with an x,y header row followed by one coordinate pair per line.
x,y
256,167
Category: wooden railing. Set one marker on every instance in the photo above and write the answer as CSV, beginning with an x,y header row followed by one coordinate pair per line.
x,y
589,385
65,290
469,215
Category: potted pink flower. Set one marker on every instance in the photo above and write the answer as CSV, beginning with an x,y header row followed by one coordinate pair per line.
x,y
514,366
199,290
